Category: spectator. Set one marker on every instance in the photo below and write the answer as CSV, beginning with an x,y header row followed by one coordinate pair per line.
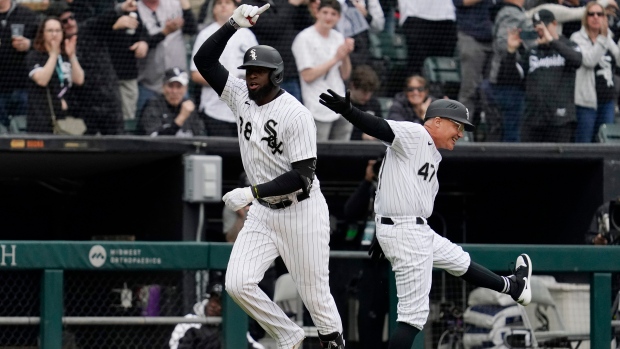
x,y
373,283
54,69
568,12
171,113
474,25
550,81
322,57
167,21
363,84
358,18
200,336
430,29
98,101
411,104
127,41
19,26
594,85
279,27
507,87
219,119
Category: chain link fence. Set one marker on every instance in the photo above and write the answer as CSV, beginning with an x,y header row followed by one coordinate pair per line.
x,y
94,301
19,296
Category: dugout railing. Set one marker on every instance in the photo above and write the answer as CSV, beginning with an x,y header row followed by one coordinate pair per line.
x,y
51,260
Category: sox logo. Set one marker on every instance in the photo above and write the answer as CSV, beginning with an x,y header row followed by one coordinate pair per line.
x,y
272,140
253,55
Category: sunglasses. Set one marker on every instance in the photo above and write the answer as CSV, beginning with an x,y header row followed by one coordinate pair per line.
x,y
66,20
598,14
460,126
419,89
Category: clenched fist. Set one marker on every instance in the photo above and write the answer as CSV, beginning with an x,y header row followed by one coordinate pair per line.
x,y
246,15
238,198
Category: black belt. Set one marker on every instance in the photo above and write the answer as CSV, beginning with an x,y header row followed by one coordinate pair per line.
x,y
389,221
284,203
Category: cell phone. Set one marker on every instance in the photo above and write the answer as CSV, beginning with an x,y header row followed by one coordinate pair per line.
x,y
528,35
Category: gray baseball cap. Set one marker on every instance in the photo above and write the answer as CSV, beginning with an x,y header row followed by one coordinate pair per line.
x,y
450,109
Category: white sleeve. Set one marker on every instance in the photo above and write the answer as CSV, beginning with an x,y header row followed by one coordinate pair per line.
x,y
234,91
301,135
302,52
378,18
200,39
407,137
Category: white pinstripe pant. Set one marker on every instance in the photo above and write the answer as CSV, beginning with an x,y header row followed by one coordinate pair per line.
x,y
300,235
413,250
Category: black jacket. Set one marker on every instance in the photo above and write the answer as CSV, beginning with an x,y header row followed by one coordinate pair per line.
x,y
549,73
13,71
98,101
158,116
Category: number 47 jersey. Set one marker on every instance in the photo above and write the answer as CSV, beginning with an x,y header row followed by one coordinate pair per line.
x,y
408,176
271,136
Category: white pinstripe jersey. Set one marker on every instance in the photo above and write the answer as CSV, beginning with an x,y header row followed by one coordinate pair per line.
x,y
408,176
271,136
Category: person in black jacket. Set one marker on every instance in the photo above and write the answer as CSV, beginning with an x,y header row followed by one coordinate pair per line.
x,y
373,283
18,26
550,81
171,114
98,101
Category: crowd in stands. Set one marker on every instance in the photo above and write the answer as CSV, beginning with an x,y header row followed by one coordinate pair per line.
x,y
530,70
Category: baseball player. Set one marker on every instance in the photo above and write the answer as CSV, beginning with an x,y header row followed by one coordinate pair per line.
x,y
289,215
406,190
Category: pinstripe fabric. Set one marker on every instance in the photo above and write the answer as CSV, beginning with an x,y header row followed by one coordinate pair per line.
x,y
298,233
401,190
406,190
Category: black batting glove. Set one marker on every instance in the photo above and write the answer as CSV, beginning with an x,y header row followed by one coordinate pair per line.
x,y
336,102
376,252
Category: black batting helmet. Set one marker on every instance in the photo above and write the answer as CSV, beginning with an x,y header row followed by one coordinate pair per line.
x,y
267,57
449,109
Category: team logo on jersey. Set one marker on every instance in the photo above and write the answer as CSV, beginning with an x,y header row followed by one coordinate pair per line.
x,y
272,140
253,54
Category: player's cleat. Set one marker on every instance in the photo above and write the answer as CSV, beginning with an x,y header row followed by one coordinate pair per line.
x,y
521,290
337,343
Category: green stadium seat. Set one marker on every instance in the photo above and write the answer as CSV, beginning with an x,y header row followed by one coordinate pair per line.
x,y
386,104
609,133
443,75
131,126
17,124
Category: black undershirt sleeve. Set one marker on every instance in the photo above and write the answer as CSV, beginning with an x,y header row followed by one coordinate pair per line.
x,y
370,124
288,182
207,59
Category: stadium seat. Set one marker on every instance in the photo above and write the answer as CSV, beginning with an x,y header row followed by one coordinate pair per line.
x,y
609,133
131,126
17,124
443,75
386,104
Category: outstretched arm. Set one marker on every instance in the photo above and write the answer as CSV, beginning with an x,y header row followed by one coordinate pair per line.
x,y
367,123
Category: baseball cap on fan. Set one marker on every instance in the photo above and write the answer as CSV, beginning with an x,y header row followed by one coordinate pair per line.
x,y
176,74
543,16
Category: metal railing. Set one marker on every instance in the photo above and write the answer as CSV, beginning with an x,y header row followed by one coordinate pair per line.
x,y
53,258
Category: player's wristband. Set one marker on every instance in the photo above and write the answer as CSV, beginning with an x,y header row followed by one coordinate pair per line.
x,y
255,192
233,23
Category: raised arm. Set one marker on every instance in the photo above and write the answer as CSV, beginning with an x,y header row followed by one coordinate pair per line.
x,y
207,57
367,123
